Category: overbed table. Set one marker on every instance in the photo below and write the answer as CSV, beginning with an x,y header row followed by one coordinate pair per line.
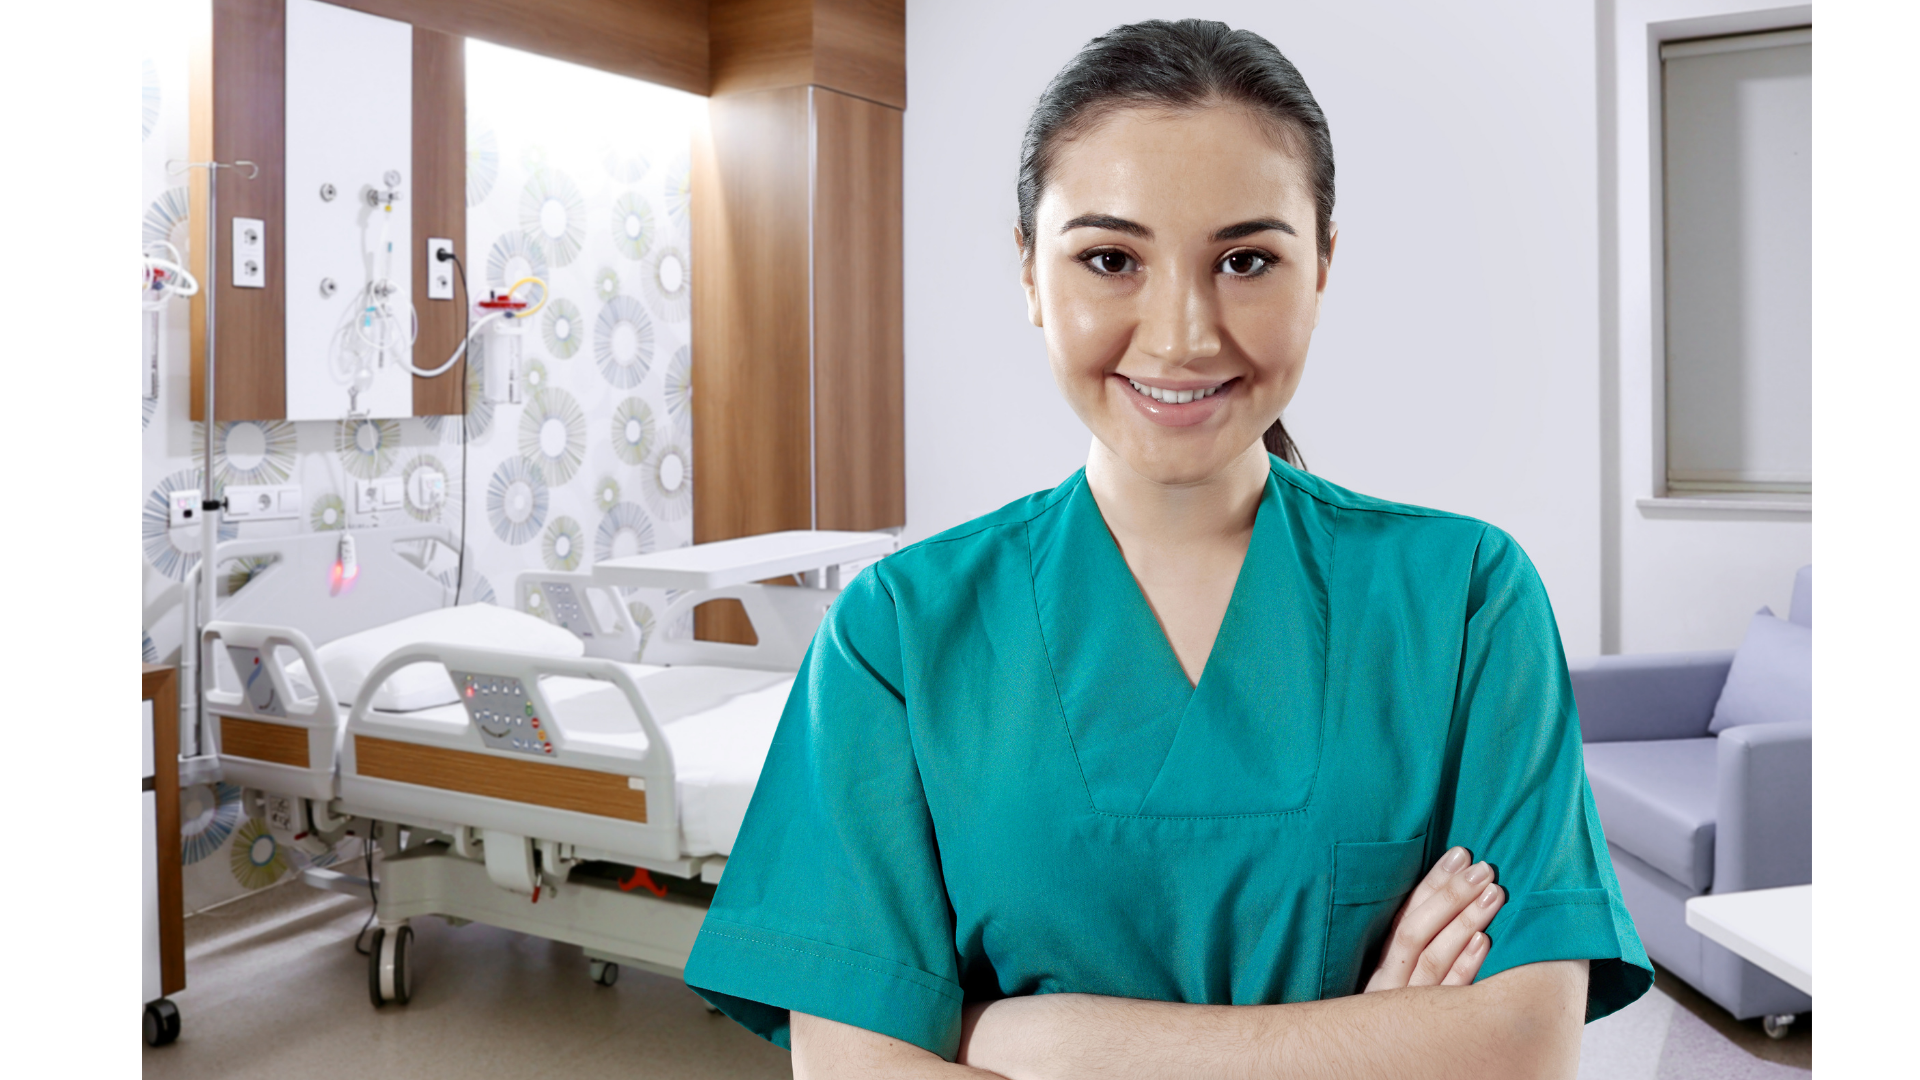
x,y
1772,928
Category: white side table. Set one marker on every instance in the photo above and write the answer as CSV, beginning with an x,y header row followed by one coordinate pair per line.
x,y
1771,928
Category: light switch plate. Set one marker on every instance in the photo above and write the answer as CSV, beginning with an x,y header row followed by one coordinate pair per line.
x,y
439,274
373,496
249,253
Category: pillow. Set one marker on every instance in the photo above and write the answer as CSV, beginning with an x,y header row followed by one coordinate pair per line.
x,y
349,660
1772,676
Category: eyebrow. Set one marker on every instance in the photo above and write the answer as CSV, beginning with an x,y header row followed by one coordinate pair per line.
x,y
1134,228
1108,221
1257,225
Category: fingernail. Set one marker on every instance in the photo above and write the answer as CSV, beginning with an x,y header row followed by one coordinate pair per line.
x,y
1479,942
1455,860
1479,873
1489,895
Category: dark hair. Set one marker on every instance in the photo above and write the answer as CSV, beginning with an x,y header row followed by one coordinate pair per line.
x,y
1180,65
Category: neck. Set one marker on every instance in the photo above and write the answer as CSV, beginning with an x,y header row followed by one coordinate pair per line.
x,y
1147,513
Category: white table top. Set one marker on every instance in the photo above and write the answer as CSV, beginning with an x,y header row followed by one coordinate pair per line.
x,y
1772,928
747,559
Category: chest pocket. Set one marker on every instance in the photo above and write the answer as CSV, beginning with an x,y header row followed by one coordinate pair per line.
x,y
1369,882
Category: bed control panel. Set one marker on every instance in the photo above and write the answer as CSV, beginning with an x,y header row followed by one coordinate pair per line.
x,y
503,714
565,609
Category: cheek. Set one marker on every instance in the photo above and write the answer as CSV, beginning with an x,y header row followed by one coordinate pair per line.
x,y
1086,334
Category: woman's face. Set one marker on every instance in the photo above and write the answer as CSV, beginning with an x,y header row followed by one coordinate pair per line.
x,y
1176,276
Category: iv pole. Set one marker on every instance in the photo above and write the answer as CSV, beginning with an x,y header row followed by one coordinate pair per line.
x,y
210,507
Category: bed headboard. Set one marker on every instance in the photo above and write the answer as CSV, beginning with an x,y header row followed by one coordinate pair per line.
x,y
290,580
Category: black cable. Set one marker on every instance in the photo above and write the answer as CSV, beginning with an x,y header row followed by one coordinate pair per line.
x,y
466,367
373,894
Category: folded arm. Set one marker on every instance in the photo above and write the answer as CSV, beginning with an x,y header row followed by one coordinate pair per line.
x,y
1525,1022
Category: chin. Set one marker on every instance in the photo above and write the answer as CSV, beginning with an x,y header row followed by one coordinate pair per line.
x,y
1178,461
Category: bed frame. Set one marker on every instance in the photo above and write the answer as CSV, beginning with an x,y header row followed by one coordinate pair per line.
x,y
471,831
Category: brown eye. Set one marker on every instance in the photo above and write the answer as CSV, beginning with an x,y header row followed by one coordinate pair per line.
x,y
1111,262
1244,263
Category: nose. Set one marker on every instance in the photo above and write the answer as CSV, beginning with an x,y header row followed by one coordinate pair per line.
x,y
1179,319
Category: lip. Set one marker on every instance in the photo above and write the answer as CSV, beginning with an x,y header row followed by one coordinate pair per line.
x,y
1187,415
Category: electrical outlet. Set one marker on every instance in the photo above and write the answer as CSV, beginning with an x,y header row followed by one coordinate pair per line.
x,y
439,272
249,253
183,508
373,496
262,502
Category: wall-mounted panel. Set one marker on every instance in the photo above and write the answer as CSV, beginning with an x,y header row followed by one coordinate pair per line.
x,y
349,224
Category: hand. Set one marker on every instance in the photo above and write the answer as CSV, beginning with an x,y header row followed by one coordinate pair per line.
x,y
1438,936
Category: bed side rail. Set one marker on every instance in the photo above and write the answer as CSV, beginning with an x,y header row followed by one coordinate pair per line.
x,y
499,684
263,734
784,619
593,613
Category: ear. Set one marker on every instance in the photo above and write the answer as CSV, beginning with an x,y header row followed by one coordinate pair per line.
x,y
1326,264
1026,279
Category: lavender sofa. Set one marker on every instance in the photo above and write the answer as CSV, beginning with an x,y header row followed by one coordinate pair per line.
x,y
1688,812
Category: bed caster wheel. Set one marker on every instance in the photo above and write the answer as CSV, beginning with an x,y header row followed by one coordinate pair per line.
x,y
161,1022
604,972
1777,1025
390,965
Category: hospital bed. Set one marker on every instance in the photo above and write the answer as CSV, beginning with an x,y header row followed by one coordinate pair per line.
x,y
558,784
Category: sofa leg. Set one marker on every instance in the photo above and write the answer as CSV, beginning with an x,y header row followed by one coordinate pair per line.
x,y
1776,1025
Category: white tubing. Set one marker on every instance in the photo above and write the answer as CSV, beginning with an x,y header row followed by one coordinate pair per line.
x,y
458,352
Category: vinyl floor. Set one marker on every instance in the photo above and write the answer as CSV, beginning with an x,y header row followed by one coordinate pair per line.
x,y
275,989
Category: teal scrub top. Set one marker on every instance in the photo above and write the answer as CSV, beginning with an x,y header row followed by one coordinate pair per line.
x,y
993,777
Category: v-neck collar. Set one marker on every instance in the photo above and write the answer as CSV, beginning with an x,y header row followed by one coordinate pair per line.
x,y
1139,728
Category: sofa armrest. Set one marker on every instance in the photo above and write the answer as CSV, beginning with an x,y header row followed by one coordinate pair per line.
x,y
1763,835
1648,696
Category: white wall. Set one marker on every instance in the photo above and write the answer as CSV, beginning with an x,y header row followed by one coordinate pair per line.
x,y
1675,577
1458,360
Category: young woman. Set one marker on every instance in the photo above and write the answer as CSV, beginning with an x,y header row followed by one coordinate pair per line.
x,y
1139,776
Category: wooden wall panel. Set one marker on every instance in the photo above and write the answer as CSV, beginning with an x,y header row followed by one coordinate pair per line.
x,y
760,45
661,41
439,209
752,435
248,120
860,48
857,47
858,353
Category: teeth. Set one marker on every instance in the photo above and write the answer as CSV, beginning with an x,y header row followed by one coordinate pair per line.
x,y
1173,397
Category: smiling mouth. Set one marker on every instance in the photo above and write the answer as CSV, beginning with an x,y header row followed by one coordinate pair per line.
x,y
1176,397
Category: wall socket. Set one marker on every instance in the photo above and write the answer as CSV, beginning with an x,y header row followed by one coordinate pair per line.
x,y
249,253
373,496
439,274
263,502
183,508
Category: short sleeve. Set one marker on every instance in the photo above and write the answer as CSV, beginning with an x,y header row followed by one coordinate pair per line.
x,y
1520,800
832,903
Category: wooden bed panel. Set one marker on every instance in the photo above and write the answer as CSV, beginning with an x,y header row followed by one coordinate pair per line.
x,y
258,740
540,783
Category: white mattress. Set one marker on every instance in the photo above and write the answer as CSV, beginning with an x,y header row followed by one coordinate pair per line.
x,y
718,721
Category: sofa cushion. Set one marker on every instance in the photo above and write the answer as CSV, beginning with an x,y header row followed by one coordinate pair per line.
x,y
1771,680
1656,800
